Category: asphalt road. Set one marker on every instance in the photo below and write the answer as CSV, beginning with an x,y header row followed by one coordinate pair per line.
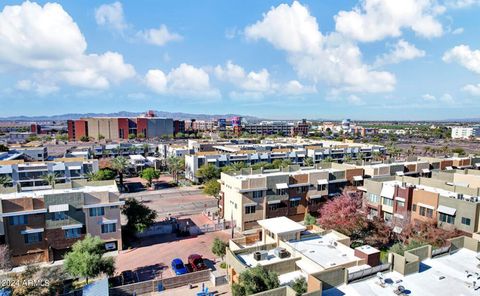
x,y
175,202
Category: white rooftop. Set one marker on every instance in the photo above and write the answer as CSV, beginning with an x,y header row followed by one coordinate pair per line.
x,y
250,261
293,173
281,225
443,276
38,193
324,251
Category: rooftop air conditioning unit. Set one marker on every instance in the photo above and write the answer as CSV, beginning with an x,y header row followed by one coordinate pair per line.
x,y
281,253
260,255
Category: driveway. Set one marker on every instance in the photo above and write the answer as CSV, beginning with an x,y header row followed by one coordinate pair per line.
x,y
154,254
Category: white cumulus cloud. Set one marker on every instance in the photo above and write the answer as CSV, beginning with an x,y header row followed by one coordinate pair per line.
x,y
401,51
160,36
111,15
464,56
374,20
331,58
48,41
185,80
472,89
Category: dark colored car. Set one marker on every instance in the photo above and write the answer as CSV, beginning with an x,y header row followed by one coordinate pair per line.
x,y
128,277
178,266
196,262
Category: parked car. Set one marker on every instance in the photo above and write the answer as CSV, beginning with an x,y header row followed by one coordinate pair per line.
x,y
196,262
128,277
178,267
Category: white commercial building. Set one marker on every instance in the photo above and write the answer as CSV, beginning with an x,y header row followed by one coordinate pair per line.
x,y
465,132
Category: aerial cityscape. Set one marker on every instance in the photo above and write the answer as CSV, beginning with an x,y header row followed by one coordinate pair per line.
x,y
267,148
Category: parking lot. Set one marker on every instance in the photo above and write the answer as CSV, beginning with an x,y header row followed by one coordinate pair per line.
x,y
153,256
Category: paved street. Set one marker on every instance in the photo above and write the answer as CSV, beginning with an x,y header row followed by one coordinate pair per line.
x,y
175,201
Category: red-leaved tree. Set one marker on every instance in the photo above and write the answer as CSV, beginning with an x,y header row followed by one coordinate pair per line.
x,y
427,232
342,215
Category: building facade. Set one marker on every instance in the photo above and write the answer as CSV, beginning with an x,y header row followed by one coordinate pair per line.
x,y
290,192
41,226
472,132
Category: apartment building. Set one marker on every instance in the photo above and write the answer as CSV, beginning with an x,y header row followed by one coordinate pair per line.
x,y
403,200
171,150
450,163
42,225
268,151
269,128
121,128
30,175
123,149
32,153
408,168
461,132
292,192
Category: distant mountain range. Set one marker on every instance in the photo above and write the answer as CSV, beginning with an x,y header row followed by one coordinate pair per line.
x,y
174,115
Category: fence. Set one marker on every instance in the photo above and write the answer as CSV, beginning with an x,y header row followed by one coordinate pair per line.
x,y
210,227
367,272
440,251
151,286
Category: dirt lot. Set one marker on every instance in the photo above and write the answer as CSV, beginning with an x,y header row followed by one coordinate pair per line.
x,y
154,255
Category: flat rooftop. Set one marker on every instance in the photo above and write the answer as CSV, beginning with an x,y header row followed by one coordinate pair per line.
x,y
38,193
281,225
324,251
443,276
292,173
250,261
442,192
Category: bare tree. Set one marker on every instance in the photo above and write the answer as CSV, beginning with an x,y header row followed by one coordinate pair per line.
x,y
5,257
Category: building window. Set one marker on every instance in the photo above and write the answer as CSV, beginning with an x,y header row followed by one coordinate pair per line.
x,y
250,209
302,189
426,212
466,221
59,216
387,202
414,208
257,194
281,191
400,204
373,198
97,211
273,207
32,238
322,187
446,218
18,220
73,233
294,203
108,228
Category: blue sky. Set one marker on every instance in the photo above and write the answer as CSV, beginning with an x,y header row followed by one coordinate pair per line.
x,y
372,59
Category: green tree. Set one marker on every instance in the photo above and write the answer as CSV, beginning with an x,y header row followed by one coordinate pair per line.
x,y
219,247
141,136
263,164
101,137
145,148
120,164
51,179
103,174
212,187
149,174
61,137
5,181
86,259
309,219
458,150
279,163
3,148
300,286
175,165
84,139
255,280
35,274
139,216
308,161
208,172
180,135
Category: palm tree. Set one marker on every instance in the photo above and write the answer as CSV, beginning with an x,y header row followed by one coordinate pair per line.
x,y
51,179
120,164
377,155
426,149
145,147
413,147
308,161
5,180
445,149
175,165
360,156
